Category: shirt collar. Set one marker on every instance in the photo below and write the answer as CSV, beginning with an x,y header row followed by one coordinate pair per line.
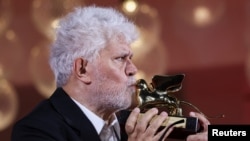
x,y
96,120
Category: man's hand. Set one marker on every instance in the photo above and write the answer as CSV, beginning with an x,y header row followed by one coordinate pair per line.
x,y
140,128
203,135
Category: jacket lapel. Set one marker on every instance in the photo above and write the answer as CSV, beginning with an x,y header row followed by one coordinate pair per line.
x,y
73,115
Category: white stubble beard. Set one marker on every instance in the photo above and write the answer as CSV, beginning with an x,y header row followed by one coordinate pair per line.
x,y
112,97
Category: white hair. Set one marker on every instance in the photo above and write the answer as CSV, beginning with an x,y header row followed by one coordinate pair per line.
x,y
83,33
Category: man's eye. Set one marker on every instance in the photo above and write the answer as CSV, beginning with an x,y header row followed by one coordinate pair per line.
x,y
121,58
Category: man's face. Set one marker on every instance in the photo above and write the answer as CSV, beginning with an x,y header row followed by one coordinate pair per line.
x,y
114,76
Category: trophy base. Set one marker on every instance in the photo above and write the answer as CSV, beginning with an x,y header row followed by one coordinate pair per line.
x,y
184,126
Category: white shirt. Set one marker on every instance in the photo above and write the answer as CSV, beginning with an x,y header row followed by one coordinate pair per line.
x,y
96,120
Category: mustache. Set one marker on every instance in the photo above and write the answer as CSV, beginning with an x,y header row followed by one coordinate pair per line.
x,y
131,81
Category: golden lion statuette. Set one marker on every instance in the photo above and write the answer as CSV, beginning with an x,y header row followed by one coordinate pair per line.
x,y
159,95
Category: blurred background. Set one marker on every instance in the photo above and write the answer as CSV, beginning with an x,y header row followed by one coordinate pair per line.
x,y
207,40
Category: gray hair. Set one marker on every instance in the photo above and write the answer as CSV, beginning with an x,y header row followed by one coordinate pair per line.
x,y
83,33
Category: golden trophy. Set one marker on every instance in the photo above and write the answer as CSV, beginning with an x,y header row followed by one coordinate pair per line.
x,y
160,95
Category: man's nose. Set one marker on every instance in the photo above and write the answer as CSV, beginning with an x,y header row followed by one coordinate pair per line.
x,y
131,68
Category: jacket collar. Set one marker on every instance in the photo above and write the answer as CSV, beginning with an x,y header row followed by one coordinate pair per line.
x,y
73,115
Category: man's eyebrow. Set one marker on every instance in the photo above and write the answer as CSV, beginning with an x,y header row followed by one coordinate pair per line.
x,y
130,54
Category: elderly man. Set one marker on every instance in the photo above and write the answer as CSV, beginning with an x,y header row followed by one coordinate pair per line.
x,y
95,76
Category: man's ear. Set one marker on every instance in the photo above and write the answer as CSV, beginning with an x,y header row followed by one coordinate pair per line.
x,y
80,70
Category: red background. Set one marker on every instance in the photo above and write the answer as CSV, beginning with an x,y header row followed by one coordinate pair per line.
x,y
212,58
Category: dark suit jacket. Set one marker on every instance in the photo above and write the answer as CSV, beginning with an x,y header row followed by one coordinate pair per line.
x,y
55,119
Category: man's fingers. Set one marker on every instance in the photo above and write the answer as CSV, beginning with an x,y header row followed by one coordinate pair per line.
x,y
203,120
198,137
156,123
131,121
144,120
162,135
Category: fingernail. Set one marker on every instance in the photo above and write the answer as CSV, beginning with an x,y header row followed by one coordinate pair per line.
x,y
164,113
137,110
155,110
192,114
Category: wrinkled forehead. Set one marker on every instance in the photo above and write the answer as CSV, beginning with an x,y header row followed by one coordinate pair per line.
x,y
118,45
115,45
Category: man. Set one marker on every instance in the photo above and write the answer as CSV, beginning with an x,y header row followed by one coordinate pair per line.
x,y
91,60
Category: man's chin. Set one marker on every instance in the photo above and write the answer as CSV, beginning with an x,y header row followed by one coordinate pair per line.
x,y
127,105
130,105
